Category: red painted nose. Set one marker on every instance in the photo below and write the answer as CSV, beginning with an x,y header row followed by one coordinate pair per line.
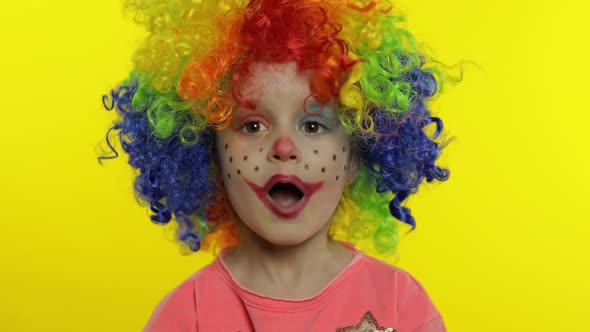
x,y
284,149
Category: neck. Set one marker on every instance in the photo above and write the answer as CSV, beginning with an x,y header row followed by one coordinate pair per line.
x,y
286,266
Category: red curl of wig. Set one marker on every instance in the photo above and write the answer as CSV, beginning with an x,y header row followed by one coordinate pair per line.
x,y
272,31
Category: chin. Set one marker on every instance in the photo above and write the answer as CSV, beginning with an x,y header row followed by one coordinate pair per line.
x,y
284,232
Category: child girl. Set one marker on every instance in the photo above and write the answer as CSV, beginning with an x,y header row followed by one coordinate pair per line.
x,y
283,137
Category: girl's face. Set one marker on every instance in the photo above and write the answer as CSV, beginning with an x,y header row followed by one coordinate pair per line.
x,y
284,170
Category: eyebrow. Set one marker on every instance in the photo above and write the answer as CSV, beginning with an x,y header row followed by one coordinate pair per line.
x,y
325,107
328,112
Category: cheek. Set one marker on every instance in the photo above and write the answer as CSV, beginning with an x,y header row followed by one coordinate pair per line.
x,y
329,162
237,160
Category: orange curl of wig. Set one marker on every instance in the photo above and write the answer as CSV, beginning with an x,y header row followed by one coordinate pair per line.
x,y
260,34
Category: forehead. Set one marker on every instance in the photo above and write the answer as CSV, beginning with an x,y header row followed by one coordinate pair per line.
x,y
274,81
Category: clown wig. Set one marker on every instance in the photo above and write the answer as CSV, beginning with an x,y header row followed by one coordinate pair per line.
x,y
182,89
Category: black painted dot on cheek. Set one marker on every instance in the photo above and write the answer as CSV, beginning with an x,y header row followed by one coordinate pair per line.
x,y
239,172
226,146
323,169
245,158
256,168
228,176
333,157
315,151
231,159
343,149
306,166
260,150
337,176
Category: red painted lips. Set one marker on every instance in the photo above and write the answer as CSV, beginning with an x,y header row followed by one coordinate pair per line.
x,y
287,212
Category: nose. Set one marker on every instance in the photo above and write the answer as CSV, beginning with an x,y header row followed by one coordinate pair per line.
x,y
283,150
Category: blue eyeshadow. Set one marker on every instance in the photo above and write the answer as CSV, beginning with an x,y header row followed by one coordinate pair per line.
x,y
325,118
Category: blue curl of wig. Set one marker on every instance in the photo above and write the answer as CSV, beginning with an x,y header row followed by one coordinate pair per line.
x,y
398,152
176,178
173,178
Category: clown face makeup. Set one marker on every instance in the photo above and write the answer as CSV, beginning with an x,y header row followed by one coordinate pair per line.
x,y
284,170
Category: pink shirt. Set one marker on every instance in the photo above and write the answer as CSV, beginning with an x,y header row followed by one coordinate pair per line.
x,y
368,295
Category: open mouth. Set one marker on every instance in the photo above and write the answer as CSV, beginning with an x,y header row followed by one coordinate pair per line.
x,y
285,195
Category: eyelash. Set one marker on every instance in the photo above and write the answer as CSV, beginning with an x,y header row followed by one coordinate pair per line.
x,y
243,127
321,129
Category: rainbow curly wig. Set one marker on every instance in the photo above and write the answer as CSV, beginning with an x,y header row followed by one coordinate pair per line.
x,y
182,90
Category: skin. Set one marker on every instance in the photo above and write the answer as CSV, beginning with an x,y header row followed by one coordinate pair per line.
x,y
282,257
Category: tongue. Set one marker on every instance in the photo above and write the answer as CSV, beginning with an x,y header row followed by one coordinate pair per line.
x,y
285,198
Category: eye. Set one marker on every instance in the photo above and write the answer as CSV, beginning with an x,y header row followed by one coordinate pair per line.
x,y
313,127
253,127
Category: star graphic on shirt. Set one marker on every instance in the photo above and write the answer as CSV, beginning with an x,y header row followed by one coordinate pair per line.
x,y
367,324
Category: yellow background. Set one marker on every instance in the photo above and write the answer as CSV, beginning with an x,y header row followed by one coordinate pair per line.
x,y
502,246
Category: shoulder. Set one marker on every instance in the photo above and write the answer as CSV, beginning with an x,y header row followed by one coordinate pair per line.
x,y
177,310
390,275
406,286
415,310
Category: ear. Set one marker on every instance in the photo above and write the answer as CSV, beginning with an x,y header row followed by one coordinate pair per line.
x,y
354,160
